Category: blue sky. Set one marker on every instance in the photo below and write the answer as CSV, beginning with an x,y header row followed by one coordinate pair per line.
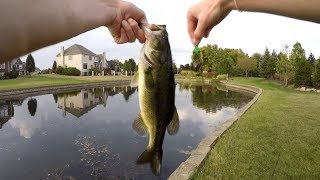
x,y
252,32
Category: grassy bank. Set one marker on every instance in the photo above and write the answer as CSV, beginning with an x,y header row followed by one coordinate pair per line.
x,y
54,80
278,137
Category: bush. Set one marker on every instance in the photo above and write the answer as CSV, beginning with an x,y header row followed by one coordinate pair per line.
x,y
59,70
71,71
189,73
209,75
222,77
10,75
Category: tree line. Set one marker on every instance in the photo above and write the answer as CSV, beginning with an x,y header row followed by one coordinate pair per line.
x,y
289,67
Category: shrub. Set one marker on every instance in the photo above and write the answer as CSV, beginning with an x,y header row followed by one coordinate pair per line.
x,y
189,73
222,77
10,75
209,75
69,71
59,70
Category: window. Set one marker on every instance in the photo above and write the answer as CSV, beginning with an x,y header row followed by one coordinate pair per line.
x,y
85,66
85,73
70,57
90,57
85,95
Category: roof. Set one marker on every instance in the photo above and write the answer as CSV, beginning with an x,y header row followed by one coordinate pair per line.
x,y
110,63
77,49
18,61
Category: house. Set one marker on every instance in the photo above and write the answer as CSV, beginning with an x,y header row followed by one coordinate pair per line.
x,y
16,64
81,58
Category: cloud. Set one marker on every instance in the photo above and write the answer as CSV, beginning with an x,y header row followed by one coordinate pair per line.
x,y
251,32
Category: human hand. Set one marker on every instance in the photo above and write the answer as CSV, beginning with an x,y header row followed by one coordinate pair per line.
x,y
125,26
202,17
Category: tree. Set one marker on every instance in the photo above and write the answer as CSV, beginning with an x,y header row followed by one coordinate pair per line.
x,y
187,67
174,68
268,66
54,67
129,65
312,59
302,68
32,106
30,65
258,58
285,66
316,75
246,64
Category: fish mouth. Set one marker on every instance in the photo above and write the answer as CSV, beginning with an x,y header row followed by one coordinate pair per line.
x,y
151,29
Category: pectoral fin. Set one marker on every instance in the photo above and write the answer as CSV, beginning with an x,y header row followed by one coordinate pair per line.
x,y
139,126
135,80
173,126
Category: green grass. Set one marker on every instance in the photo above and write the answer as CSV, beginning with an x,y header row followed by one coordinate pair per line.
x,y
52,80
278,137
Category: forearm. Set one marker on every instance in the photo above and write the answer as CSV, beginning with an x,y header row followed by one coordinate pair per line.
x,y
27,25
299,9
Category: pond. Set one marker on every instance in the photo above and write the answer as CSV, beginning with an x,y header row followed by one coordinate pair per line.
x,y
91,134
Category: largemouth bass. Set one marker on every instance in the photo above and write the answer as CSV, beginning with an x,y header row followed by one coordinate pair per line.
x,y
155,80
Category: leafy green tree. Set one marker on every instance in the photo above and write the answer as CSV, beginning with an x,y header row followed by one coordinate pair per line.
x,y
30,65
54,67
316,74
302,68
246,65
258,58
129,65
285,66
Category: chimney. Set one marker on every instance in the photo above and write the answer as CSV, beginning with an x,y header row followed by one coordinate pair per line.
x,y
62,56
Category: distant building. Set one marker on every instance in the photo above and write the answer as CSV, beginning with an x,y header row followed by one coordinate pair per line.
x,y
16,64
81,58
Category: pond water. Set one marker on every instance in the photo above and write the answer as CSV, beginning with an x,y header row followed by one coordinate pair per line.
x,y
90,133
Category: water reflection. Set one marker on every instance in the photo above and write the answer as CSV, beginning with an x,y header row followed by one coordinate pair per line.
x,y
81,102
32,106
93,134
7,109
213,98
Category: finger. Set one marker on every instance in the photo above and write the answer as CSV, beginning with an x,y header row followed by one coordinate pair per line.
x,y
123,37
138,32
199,32
206,35
192,24
128,30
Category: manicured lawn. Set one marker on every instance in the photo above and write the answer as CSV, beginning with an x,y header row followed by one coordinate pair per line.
x,y
278,137
53,80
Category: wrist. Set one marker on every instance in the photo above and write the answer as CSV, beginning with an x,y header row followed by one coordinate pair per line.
x,y
229,4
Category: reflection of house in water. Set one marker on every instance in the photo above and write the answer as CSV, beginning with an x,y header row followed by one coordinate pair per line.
x,y
81,102
7,110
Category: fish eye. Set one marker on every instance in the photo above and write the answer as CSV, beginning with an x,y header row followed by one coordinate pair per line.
x,y
165,37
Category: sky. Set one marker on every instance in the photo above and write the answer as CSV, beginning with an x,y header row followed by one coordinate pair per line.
x,y
252,32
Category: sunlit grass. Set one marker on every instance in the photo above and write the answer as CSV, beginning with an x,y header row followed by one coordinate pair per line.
x,y
53,80
278,137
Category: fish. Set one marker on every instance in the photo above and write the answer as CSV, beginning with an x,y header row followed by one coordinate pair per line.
x,y
156,88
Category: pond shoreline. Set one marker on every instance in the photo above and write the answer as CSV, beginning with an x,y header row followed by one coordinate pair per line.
x,y
8,94
187,168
